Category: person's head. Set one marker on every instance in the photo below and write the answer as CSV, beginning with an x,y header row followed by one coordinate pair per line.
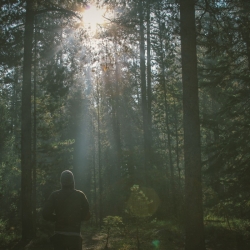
x,y
67,179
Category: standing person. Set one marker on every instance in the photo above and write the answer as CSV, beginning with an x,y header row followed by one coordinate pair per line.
x,y
67,207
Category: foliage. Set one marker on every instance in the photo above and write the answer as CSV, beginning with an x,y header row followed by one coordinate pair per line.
x,y
138,203
224,235
112,227
154,234
7,235
89,118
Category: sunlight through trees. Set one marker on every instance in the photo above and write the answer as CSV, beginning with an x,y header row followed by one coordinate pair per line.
x,y
144,101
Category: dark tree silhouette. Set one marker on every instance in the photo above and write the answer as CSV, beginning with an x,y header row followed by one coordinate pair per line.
x,y
192,148
26,161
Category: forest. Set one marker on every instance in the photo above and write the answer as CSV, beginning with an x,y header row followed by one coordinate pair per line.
x,y
146,101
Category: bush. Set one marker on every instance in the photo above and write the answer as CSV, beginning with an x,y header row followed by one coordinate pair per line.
x,y
7,236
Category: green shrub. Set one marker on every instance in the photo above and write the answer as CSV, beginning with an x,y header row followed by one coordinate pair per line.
x,y
7,235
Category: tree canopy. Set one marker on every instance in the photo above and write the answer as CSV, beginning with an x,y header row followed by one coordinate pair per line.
x,y
147,102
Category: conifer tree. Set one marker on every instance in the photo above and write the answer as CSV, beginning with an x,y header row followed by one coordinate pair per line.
x,y
192,148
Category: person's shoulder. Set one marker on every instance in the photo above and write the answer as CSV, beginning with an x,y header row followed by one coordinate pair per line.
x,y
80,193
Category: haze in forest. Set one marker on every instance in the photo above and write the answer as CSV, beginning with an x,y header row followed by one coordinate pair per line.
x,y
146,102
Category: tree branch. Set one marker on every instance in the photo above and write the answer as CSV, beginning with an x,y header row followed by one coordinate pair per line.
x,y
51,9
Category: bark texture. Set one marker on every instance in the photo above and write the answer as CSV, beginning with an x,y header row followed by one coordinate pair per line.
x,y
192,148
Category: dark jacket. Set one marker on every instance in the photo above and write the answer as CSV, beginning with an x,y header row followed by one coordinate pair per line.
x,y
67,207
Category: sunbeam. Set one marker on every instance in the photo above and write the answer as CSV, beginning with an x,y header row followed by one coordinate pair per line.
x,y
92,16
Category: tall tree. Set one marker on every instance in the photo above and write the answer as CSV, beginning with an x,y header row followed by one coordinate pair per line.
x,y
26,119
149,81
143,86
26,161
192,149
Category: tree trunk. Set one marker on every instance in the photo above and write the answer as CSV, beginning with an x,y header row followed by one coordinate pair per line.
x,y
34,139
149,83
26,129
143,89
117,118
177,146
192,149
94,173
245,29
99,155
14,106
118,207
169,140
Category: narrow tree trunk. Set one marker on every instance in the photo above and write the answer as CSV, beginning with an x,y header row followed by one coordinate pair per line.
x,y
26,129
118,207
143,89
94,174
248,53
14,105
149,83
117,118
34,141
169,141
16,109
246,30
137,85
177,146
99,155
192,148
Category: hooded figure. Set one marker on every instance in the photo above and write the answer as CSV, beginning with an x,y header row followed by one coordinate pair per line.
x,y
67,179
67,207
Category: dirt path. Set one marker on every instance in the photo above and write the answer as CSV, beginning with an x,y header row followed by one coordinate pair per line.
x,y
93,241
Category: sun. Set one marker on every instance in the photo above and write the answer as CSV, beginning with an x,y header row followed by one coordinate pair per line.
x,y
92,16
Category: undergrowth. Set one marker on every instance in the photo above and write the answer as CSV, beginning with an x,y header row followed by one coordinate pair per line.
x,y
226,234
119,233
8,235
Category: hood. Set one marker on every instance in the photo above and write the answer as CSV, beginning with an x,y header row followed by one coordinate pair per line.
x,y
67,179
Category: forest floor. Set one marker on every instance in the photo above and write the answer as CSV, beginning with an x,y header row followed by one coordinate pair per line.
x,y
158,236
96,239
91,241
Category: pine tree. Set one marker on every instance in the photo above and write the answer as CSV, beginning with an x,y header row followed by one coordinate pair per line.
x,y
192,148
